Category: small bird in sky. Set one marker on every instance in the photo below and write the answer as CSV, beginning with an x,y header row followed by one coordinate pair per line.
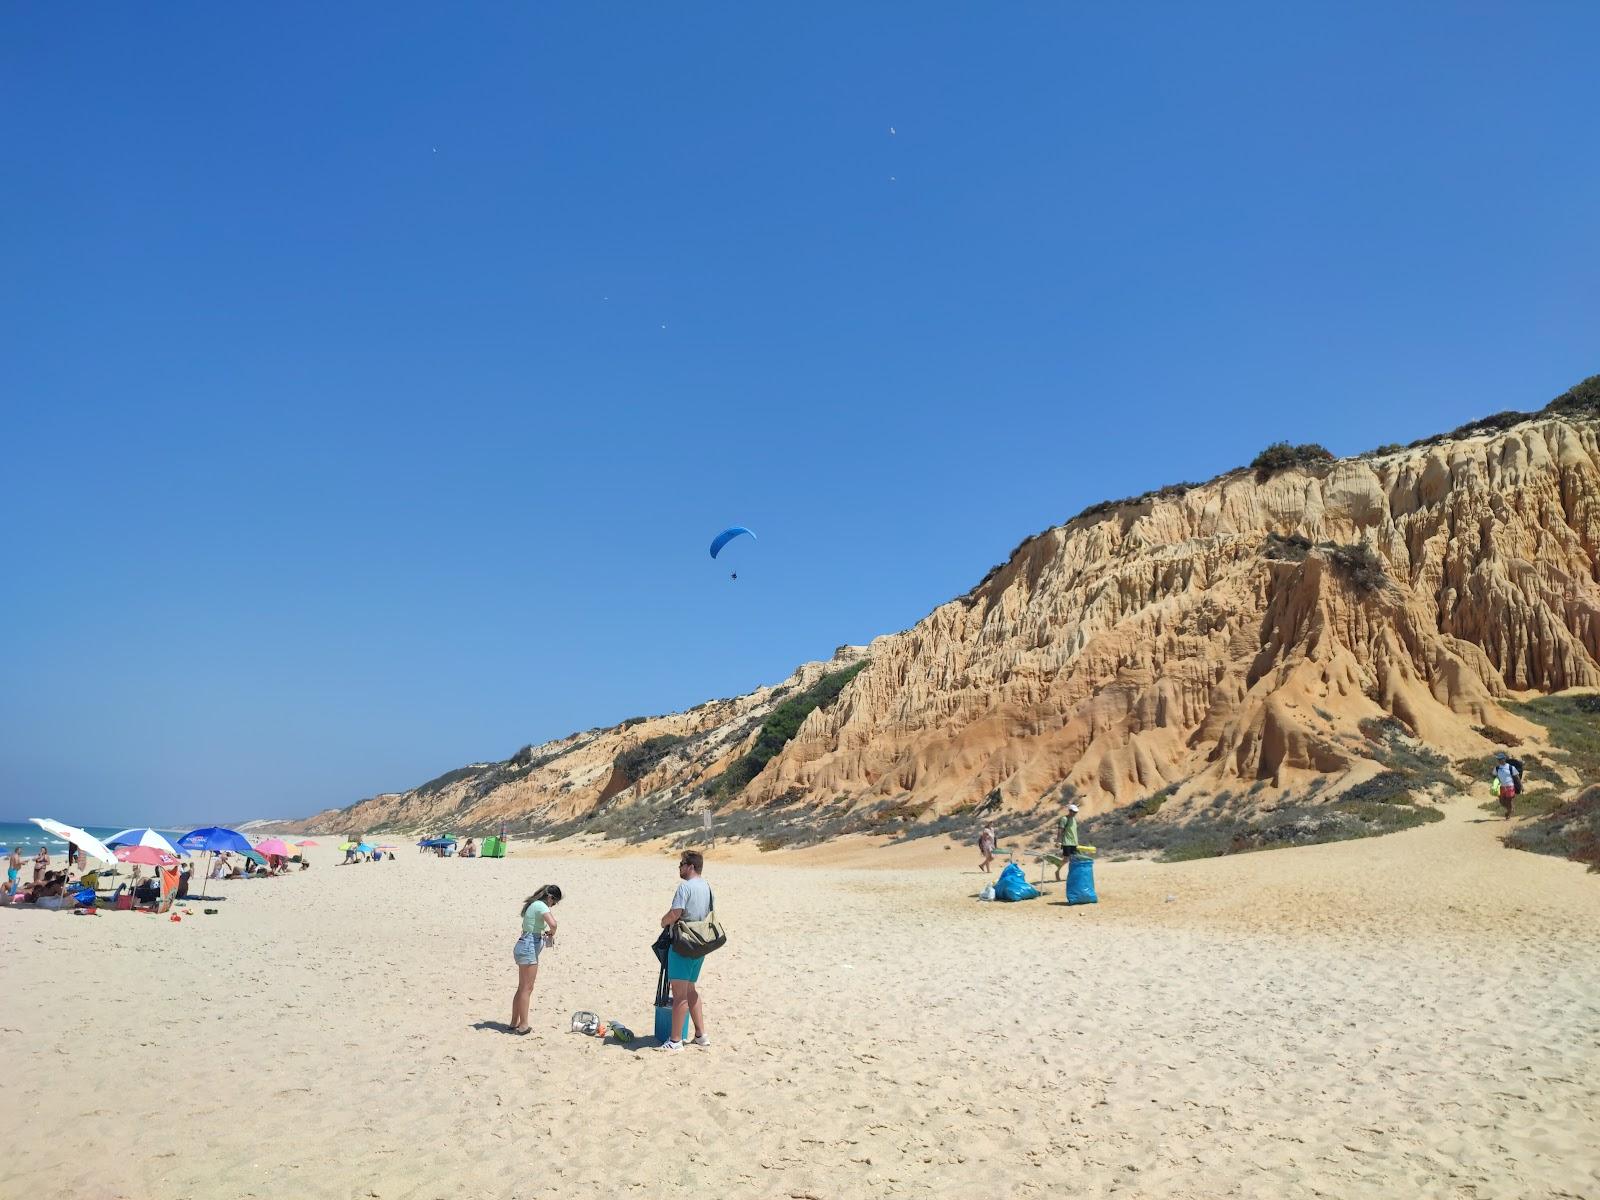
x,y
891,131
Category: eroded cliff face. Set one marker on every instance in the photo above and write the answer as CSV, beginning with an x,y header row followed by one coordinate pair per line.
x,y
647,770
1241,636
1200,641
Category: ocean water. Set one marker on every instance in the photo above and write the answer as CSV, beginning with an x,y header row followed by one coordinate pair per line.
x,y
30,836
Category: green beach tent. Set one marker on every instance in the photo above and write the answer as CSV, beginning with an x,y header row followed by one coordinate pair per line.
x,y
493,847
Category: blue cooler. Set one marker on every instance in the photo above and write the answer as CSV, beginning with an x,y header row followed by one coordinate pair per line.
x,y
1080,880
664,1025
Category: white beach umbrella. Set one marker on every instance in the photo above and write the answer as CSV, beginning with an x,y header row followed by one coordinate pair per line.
x,y
145,837
87,842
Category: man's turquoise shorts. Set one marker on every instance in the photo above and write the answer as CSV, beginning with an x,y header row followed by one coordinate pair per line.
x,y
686,969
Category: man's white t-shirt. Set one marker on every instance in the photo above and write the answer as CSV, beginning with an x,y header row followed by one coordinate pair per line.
x,y
694,897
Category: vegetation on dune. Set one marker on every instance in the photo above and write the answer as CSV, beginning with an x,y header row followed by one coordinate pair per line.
x,y
1570,831
781,726
1280,456
638,761
1573,727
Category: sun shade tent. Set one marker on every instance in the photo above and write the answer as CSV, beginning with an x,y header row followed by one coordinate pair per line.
x,y
493,847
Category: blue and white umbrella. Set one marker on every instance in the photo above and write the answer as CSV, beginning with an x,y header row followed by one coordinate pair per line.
x,y
145,837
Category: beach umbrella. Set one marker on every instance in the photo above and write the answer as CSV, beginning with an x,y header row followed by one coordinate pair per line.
x,y
144,837
256,857
148,856
213,839
86,842
305,843
274,846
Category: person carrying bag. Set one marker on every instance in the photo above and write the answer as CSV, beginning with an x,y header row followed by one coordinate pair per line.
x,y
694,933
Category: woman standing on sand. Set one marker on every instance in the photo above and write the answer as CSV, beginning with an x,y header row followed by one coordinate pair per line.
x,y
986,848
538,931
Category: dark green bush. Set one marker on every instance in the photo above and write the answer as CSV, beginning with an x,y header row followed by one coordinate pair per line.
x,y
1280,456
1580,400
638,761
781,726
1360,565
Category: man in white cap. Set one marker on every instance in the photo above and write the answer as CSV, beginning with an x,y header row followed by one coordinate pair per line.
x,y
1069,831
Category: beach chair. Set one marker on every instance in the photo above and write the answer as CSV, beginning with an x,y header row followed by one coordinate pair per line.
x,y
1048,859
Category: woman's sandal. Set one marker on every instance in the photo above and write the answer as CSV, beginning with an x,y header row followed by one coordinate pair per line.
x,y
524,1031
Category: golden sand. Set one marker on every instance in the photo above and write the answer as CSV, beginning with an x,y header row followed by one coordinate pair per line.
x,y
1412,1016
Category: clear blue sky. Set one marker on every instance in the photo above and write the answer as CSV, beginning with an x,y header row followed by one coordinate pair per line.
x,y
372,378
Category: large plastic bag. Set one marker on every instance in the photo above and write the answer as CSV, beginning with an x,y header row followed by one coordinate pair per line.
x,y
1080,880
1014,885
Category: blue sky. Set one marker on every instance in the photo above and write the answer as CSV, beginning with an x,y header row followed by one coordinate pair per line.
x,y
372,378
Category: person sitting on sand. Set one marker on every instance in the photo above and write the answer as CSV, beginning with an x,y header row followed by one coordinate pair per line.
x,y
51,885
986,848
538,931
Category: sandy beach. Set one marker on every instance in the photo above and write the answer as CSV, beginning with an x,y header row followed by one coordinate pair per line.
x,y
1414,1015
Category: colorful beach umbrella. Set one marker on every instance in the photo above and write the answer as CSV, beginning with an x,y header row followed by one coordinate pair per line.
x,y
271,846
86,842
149,856
305,843
213,839
143,837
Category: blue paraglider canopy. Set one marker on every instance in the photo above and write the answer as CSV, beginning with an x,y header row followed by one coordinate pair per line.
x,y
726,536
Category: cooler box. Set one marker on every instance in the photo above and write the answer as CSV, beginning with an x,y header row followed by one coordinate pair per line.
x,y
664,1025
1080,880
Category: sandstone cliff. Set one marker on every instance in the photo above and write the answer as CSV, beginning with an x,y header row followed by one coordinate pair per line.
x,y
1263,632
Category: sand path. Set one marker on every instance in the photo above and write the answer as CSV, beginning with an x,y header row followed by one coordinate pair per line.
x,y
1415,1015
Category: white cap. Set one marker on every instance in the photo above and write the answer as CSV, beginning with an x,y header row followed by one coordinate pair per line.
x,y
1072,808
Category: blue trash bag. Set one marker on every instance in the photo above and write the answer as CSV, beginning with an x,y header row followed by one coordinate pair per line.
x,y
1014,885
1080,880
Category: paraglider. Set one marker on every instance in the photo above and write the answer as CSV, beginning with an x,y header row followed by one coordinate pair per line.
x,y
726,536
723,538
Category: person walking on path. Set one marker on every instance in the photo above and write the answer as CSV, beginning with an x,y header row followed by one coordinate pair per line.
x,y
691,902
538,932
986,848
1508,774
1068,825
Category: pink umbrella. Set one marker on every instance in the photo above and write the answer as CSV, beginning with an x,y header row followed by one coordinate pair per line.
x,y
150,856
273,846
306,843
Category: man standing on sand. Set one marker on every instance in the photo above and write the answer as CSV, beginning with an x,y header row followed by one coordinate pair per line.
x,y
986,848
691,902
1069,831
14,871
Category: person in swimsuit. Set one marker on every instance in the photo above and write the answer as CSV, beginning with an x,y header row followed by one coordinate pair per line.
x,y
13,870
986,848
41,864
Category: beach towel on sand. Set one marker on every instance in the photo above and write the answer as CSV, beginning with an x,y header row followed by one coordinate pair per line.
x,y
1014,885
